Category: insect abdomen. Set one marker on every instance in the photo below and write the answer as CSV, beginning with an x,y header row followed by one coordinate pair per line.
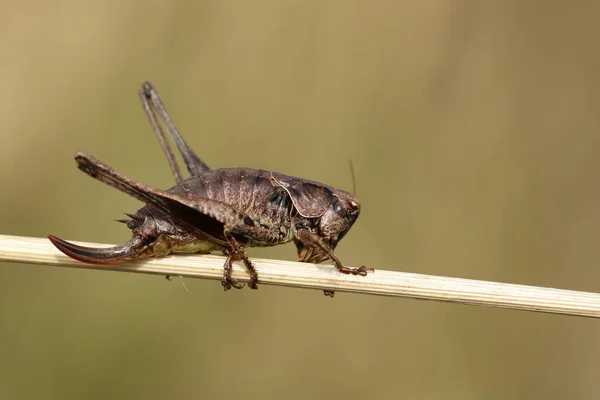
x,y
248,190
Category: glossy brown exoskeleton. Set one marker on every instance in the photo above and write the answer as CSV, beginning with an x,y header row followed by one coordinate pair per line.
x,y
224,210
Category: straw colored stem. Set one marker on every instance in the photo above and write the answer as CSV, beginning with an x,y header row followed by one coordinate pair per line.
x,y
311,276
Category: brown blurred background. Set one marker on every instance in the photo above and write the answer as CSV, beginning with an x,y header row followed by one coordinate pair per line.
x,y
474,131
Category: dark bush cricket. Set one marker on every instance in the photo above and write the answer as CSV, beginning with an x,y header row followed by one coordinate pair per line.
x,y
224,209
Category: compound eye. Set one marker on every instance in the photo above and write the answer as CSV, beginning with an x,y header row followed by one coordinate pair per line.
x,y
339,208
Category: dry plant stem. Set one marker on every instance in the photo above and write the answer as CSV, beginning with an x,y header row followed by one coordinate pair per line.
x,y
325,277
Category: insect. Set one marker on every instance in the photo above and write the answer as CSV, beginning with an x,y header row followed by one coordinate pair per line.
x,y
226,210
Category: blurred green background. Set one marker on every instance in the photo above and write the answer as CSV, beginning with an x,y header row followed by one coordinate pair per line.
x,y
474,131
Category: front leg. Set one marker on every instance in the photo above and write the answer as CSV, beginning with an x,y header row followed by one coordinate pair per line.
x,y
311,239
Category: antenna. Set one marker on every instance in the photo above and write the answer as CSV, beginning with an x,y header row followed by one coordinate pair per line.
x,y
353,177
